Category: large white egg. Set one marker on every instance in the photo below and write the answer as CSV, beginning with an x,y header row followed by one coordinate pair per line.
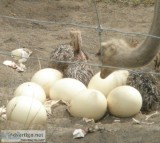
x,y
66,89
115,79
26,110
31,89
46,78
88,103
124,101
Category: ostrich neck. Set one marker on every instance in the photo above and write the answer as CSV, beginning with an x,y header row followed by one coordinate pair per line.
x,y
148,49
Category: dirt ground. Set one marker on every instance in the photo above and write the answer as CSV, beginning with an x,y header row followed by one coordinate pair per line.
x,y
42,37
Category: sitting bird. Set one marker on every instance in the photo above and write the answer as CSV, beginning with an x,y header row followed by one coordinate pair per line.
x,y
73,53
79,70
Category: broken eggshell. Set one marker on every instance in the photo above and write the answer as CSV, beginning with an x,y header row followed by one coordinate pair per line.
x,y
79,133
21,55
13,65
10,64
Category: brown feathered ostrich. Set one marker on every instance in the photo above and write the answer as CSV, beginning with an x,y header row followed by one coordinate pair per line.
x,y
60,56
72,52
79,70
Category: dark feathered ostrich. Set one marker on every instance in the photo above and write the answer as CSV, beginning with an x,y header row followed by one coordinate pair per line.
x,y
72,52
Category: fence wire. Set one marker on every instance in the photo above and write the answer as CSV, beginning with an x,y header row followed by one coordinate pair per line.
x,y
87,63
99,29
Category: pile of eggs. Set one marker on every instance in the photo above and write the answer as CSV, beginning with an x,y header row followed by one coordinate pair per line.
x,y
102,95
122,100
27,105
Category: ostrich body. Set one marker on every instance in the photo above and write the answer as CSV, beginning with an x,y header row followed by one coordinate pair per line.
x,y
72,52
147,85
60,55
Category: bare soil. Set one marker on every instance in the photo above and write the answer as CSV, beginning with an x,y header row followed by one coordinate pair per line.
x,y
41,37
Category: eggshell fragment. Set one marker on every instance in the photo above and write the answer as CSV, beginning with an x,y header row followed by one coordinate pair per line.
x,y
21,54
112,81
124,101
31,89
26,110
88,103
10,64
46,78
66,89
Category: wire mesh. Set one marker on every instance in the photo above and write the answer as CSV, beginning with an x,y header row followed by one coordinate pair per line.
x,y
100,30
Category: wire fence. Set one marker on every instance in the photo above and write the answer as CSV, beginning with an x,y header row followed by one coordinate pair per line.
x,y
99,29
46,59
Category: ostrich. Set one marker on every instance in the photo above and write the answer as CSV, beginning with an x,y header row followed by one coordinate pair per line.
x,y
60,56
132,57
72,52
144,82
118,53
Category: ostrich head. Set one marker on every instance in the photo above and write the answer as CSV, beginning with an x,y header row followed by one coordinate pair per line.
x,y
105,54
76,43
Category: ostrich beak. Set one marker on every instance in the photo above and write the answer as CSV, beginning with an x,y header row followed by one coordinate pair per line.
x,y
98,53
105,72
